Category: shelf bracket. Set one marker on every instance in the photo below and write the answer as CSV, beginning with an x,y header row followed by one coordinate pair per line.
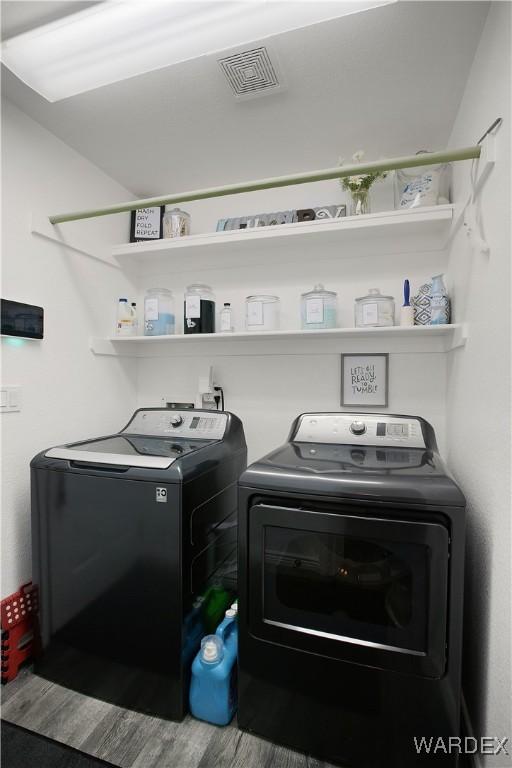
x,y
106,347
459,338
41,227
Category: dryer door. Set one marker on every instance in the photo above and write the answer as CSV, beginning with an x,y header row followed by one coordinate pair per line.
x,y
361,589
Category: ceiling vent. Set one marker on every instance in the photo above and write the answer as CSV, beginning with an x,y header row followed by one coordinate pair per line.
x,y
251,73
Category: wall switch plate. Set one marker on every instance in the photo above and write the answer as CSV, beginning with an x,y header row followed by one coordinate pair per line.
x,y
10,398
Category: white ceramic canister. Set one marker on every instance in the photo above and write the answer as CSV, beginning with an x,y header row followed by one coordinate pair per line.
x,y
262,313
374,310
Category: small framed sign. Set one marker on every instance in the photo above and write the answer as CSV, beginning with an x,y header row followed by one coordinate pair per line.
x,y
364,379
146,224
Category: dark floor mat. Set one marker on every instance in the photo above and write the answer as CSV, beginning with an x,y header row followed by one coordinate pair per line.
x,y
25,749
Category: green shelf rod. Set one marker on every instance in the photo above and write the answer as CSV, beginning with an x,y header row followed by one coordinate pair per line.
x,y
391,164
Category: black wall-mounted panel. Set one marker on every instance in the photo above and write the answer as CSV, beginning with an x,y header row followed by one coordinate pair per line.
x,y
25,320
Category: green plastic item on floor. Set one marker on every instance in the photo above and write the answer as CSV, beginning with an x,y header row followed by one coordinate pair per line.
x,y
216,601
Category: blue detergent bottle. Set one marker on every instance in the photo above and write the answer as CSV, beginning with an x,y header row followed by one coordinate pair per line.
x,y
213,685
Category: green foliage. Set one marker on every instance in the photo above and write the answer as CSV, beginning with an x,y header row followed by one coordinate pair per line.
x,y
362,181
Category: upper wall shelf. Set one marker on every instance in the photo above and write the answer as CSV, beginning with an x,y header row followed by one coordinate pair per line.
x,y
416,339
406,231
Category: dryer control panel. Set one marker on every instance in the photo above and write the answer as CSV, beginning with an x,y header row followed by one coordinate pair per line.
x,y
359,429
190,424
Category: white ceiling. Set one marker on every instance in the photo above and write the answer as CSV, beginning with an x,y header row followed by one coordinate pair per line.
x,y
388,80
19,16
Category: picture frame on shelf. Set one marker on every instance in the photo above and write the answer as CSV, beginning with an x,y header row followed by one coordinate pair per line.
x,y
147,224
365,379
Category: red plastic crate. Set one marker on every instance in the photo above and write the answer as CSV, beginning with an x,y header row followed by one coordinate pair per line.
x,y
17,615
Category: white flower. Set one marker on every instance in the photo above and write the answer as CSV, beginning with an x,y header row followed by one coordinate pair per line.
x,y
358,156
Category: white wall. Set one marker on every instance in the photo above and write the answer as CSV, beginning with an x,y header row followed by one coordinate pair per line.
x,y
206,213
478,407
268,392
67,392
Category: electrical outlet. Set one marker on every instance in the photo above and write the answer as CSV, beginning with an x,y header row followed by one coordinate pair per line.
x,y
208,401
10,398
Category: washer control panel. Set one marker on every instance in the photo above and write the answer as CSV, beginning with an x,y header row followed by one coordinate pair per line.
x,y
359,429
205,425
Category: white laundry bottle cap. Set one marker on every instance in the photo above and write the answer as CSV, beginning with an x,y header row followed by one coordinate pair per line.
x,y
212,649
234,607
230,613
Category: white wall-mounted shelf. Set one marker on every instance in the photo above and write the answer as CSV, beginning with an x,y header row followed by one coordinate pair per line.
x,y
435,338
404,231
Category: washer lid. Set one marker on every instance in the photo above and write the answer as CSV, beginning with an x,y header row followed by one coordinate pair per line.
x,y
128,451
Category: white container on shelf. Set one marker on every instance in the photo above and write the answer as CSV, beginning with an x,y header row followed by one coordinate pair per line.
x,y
374,310
262,313
124,326
226,318
422,186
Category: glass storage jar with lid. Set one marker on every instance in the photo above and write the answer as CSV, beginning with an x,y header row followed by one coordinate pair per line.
x,y
175,223
158,312
262,313
199,309
318,309
374,310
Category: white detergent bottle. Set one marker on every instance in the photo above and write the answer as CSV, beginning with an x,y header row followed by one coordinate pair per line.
x,y
124,318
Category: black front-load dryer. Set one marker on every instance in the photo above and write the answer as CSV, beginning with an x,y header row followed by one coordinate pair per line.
x,y
351,557
134,540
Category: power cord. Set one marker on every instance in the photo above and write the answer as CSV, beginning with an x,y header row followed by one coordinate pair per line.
x,y
219,398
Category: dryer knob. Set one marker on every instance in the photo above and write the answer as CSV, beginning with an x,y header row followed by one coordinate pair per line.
x,y
176,421
358,427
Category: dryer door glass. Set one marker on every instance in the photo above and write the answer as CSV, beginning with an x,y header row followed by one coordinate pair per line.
x,y
362,587
342,584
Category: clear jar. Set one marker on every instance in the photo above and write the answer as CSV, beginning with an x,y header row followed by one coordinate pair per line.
x,y
262,313
159,317
199,309
175,223
318,309
374,310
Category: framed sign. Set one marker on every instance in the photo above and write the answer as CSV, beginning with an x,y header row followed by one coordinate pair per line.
x,y
364,379
146,224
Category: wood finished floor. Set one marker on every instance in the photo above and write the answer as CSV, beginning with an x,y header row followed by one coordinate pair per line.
x,y
132,740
